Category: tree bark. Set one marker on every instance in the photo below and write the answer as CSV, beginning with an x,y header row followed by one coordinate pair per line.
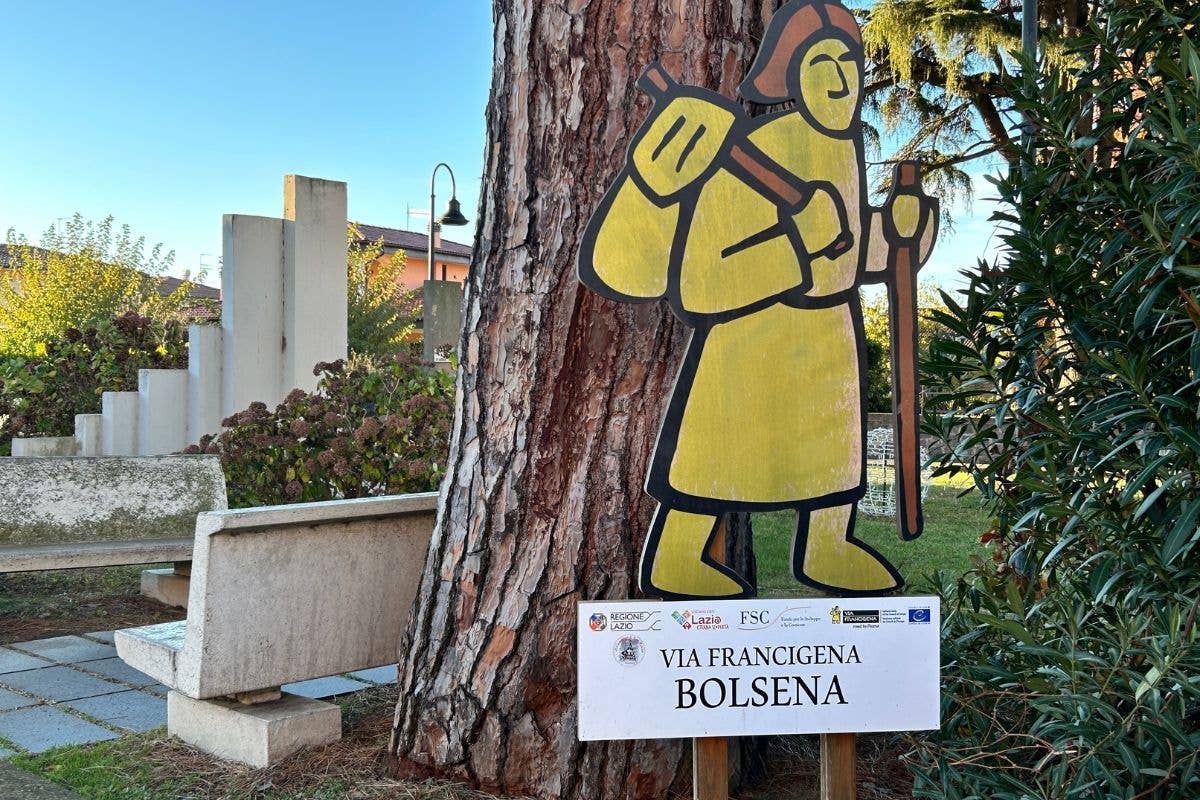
x,y
560,396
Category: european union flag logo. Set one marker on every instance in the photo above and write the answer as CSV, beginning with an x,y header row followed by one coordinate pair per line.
x,y
917,615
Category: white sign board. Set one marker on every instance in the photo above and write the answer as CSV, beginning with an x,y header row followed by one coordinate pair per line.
x,y
653,670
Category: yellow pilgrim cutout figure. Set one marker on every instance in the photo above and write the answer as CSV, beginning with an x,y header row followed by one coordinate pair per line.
x,y
758,232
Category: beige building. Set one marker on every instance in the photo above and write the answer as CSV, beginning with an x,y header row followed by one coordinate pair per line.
x,y
450,261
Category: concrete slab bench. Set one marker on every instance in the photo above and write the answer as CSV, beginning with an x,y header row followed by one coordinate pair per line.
x,y
66,513
282,594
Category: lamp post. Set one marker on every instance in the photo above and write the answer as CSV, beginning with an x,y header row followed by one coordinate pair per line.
x,y
453,215
441,311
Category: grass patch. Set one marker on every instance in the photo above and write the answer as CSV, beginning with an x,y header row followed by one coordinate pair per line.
x,y
153,766
35,605
953,526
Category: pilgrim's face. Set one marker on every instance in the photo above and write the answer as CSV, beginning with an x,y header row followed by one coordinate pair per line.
x,y
830,82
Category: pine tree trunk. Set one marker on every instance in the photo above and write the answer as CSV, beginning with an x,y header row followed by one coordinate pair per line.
x,y
560,396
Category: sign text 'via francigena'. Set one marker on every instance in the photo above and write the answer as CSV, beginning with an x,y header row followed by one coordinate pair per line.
x,y
651,670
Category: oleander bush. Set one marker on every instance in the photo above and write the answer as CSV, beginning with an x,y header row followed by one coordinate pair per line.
x,y
1070,660
41,394
373,427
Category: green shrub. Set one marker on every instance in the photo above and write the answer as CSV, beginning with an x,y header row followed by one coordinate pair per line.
x,y
1071,666
82,274
40,395
371,428
381,313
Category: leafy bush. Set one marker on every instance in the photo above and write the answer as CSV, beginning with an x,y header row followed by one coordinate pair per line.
x,y
78,278
40,395
1071,664
381,314
371,428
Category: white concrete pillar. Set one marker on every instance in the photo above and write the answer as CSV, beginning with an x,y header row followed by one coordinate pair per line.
x,y
204,381
162,411
314,278
89,430
118,436
251,312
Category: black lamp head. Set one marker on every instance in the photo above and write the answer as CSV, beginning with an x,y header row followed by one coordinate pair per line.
x,y
453,215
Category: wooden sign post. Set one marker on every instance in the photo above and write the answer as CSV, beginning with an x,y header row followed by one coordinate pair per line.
x,y
710,768
710,754
838,766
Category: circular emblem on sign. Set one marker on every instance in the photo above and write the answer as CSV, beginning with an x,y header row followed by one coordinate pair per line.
x,y
598,622
629,650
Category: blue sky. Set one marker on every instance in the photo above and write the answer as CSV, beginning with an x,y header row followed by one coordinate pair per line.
x,y
169,114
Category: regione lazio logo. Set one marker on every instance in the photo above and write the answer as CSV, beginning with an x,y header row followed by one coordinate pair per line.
x,y
916,615
684,619
598,622
629,650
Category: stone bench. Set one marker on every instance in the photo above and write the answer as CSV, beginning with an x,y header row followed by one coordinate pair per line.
x,y
66,513
281,594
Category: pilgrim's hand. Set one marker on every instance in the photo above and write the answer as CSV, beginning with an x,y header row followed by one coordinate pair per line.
x,y
822,225
680,143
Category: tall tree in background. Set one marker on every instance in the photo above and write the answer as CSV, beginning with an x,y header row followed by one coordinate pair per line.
x,y
937,78
560,395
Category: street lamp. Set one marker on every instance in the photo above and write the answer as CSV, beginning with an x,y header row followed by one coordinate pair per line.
x,y
441,313
453,215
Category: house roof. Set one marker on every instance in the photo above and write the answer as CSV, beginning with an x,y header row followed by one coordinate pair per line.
x,y
166,284
410,241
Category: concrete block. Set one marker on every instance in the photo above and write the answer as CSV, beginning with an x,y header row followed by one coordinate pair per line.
x,y
42,728
44,446
131,710
162,411
204,381
259,735
77,555
86,501
441,317
119,429
67,649
251,312
314,278
13,661
165,586
59,684
255,617
154,649
89,433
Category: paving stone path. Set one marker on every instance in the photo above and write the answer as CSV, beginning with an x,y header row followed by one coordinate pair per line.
x,y
74,690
